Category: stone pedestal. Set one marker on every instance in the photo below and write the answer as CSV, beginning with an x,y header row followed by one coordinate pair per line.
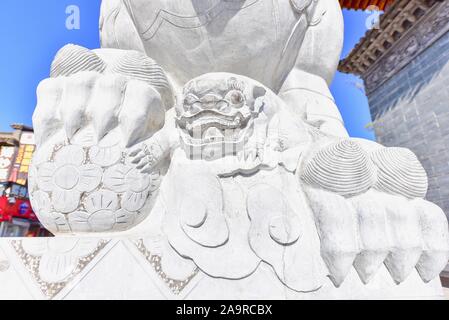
x,y
112,268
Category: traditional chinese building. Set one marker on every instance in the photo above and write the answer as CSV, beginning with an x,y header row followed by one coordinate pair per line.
x,y
16,215
405,68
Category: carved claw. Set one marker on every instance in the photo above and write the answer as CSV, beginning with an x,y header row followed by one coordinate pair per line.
x,y
82,94
142,113
106,102
337,226
147,155
373,232
138,154
405,233
434,227
46,117
381,188
89,99
77,93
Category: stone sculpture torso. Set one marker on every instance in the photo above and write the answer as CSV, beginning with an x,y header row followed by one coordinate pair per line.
x,y
190,38
181,142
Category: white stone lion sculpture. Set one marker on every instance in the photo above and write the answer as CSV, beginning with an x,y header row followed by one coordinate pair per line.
x,y
209,125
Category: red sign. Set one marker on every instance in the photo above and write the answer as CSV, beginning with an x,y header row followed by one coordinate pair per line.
x,y
5,209
17,208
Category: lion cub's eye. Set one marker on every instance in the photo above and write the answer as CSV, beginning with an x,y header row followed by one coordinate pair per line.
x,y
235,98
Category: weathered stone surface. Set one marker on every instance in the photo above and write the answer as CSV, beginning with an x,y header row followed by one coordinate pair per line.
x,y
247,187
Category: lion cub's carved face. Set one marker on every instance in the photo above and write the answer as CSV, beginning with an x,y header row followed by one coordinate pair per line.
x,y
215,114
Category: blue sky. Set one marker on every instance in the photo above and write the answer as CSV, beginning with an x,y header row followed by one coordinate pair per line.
x,y
31,32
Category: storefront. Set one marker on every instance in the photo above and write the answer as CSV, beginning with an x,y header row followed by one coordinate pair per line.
x,y
17,218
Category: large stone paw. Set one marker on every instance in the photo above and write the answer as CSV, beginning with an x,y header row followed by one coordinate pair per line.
x,y
88,115
369,210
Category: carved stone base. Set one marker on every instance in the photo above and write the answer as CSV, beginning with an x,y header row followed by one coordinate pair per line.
x,y
105,268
